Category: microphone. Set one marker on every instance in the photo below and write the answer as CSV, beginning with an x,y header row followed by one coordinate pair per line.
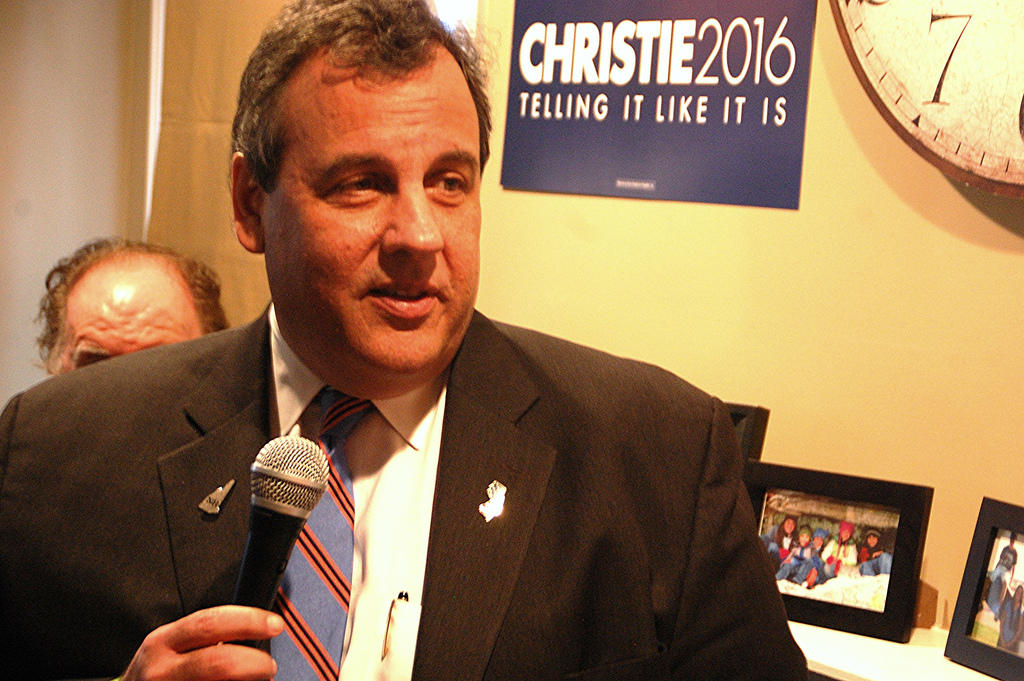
x,y
288,478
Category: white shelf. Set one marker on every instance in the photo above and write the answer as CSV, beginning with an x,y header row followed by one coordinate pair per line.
x,y
850,657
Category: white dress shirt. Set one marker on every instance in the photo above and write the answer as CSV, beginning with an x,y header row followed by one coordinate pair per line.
x,y
393,455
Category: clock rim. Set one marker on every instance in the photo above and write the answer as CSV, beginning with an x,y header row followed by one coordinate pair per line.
x,y
930,154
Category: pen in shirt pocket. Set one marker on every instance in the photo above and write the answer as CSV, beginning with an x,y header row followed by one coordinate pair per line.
x,y
403,597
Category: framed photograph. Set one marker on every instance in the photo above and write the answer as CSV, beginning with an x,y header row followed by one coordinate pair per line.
x,y
846,550
987,632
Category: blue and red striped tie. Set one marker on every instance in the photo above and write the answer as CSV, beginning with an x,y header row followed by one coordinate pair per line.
x,y
315,589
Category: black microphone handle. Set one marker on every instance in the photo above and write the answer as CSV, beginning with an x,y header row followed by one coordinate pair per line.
x,y
271,538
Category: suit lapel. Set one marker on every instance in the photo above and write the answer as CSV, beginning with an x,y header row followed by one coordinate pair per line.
x,y
472,564
229,412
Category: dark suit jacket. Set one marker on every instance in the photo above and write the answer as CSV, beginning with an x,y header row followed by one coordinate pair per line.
x,y
627,548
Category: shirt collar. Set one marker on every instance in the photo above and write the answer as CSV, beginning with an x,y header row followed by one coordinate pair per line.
x,y
295,385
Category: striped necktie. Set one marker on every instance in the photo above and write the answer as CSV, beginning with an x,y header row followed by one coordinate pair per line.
x,y
315,589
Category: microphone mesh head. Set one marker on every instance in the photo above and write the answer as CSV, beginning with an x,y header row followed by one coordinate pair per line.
x,y
290,471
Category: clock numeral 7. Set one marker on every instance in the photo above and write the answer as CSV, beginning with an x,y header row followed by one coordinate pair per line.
x,y
937,97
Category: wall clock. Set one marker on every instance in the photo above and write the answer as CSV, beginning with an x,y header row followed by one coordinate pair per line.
x,y
948,76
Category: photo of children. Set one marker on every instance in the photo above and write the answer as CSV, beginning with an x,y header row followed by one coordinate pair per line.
x,y
828,549
999,621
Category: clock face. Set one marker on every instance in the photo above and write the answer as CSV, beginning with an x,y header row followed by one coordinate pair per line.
x,y
948,75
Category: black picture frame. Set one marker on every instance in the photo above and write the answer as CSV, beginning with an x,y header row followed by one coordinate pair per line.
x,y
911,502
963,645
751,423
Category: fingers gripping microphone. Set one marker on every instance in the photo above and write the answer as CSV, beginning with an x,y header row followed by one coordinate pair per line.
x,y
288,478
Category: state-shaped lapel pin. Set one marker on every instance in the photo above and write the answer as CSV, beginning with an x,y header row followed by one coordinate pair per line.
x,y
495,503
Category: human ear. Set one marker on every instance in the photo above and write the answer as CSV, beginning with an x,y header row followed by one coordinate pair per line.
x,y
247,202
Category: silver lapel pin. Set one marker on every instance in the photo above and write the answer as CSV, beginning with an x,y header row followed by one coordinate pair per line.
x,y
495,503
211,504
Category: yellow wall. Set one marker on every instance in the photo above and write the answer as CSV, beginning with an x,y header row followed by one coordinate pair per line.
x,y
65,162
880,322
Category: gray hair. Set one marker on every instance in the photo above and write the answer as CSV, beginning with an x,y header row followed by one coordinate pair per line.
x,y
377,37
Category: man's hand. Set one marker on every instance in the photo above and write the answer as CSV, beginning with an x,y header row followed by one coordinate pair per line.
x,y
198,647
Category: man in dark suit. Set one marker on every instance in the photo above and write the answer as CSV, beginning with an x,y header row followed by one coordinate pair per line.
x,y
626,545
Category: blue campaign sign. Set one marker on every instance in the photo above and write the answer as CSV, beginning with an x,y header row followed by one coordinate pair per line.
x,y
686,100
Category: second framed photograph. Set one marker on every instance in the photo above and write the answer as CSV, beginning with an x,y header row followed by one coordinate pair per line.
x,y
846,550
987,632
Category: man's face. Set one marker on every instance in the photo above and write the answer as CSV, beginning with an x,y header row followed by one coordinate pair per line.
x,y
124,305
804,539
371,234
